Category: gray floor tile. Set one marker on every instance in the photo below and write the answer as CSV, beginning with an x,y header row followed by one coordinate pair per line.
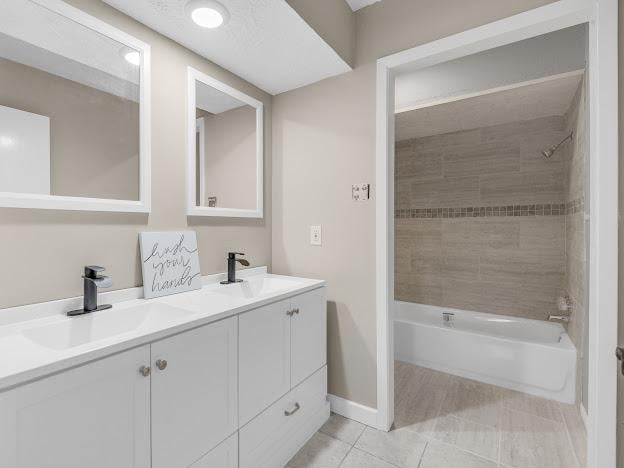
x,y
321,451
360,459
343,429
400,447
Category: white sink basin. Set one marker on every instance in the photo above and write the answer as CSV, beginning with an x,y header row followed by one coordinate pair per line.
x,y
76,331
255,287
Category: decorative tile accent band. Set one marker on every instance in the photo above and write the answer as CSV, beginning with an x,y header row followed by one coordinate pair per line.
x,y
548,209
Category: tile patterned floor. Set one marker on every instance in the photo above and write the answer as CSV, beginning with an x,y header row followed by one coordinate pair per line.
x,y
443,421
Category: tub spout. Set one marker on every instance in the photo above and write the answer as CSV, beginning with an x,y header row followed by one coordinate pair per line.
x,y
561,318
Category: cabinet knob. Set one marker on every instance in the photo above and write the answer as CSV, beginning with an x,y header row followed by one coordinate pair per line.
x,y
293,411
292,312
145,371
296,311
161,364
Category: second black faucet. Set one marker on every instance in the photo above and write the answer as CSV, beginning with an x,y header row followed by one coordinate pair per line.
x,y
231,263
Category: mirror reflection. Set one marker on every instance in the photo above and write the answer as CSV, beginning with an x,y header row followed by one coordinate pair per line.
x,y
69,107
225,149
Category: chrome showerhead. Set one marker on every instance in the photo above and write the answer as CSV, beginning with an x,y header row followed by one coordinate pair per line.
x,y
547,153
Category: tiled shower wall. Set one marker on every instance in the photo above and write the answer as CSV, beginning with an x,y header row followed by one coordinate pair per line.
x,y
481,218
575,278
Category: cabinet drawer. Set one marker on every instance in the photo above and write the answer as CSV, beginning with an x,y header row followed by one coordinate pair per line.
x,y
224,455
266,441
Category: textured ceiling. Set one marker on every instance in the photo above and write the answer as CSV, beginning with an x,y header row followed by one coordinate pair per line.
x,y
357,4
57,45
547,98
265,41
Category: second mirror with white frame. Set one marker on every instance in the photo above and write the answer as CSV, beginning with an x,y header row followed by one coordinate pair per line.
x,y
224,150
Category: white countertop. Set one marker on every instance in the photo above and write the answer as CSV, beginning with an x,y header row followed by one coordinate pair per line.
x,y
38,346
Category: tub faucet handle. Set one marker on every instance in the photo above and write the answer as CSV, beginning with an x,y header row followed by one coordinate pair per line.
x,y
561,318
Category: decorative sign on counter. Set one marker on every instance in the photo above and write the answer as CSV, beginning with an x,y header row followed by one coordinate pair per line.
x,y
170,263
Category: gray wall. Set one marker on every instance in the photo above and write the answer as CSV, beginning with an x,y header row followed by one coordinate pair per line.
x,y
324,141
63,242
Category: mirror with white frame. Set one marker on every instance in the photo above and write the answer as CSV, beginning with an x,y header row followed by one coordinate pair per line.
x,y
225,150
74,116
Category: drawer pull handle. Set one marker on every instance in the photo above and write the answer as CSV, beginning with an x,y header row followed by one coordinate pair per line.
x,y
145,371
161,364
290,413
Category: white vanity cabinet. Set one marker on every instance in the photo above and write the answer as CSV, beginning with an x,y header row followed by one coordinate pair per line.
x,y
95,416
283,378
245,390
194,393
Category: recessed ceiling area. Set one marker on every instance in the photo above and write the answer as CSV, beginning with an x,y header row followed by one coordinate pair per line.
x,y
264,42
358,4
548,97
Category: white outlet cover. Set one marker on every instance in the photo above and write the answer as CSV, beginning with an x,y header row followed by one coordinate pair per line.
x,y
316,235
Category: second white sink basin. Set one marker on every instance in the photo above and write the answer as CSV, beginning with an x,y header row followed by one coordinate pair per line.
x,y
76,331
255,287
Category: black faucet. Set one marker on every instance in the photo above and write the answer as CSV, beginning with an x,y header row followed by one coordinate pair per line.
x,y
92,281
232,267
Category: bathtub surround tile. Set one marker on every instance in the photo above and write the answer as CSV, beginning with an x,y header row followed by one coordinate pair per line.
x,y
467,435
343,429
485,158
321,451
440,455
523,188
400,447
529,441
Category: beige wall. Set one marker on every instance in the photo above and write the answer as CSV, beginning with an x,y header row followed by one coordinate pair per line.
x,y
230,147
324,141
59,243
333,20
94,136
480,219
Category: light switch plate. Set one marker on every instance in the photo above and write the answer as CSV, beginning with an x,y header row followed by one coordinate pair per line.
x,y
360,192
316,236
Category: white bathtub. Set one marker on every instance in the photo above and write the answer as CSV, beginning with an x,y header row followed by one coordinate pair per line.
x,y
530,356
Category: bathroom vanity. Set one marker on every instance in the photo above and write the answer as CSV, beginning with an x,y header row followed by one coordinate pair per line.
x,y
225,376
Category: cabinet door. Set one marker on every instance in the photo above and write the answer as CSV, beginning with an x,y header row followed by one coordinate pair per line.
x,y
96,416
194,395
264,360
309,334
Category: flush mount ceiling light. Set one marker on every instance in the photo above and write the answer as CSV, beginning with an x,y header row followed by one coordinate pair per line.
x,y
207,13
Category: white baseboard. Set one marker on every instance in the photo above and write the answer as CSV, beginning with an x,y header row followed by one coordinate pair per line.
x,y
352,410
